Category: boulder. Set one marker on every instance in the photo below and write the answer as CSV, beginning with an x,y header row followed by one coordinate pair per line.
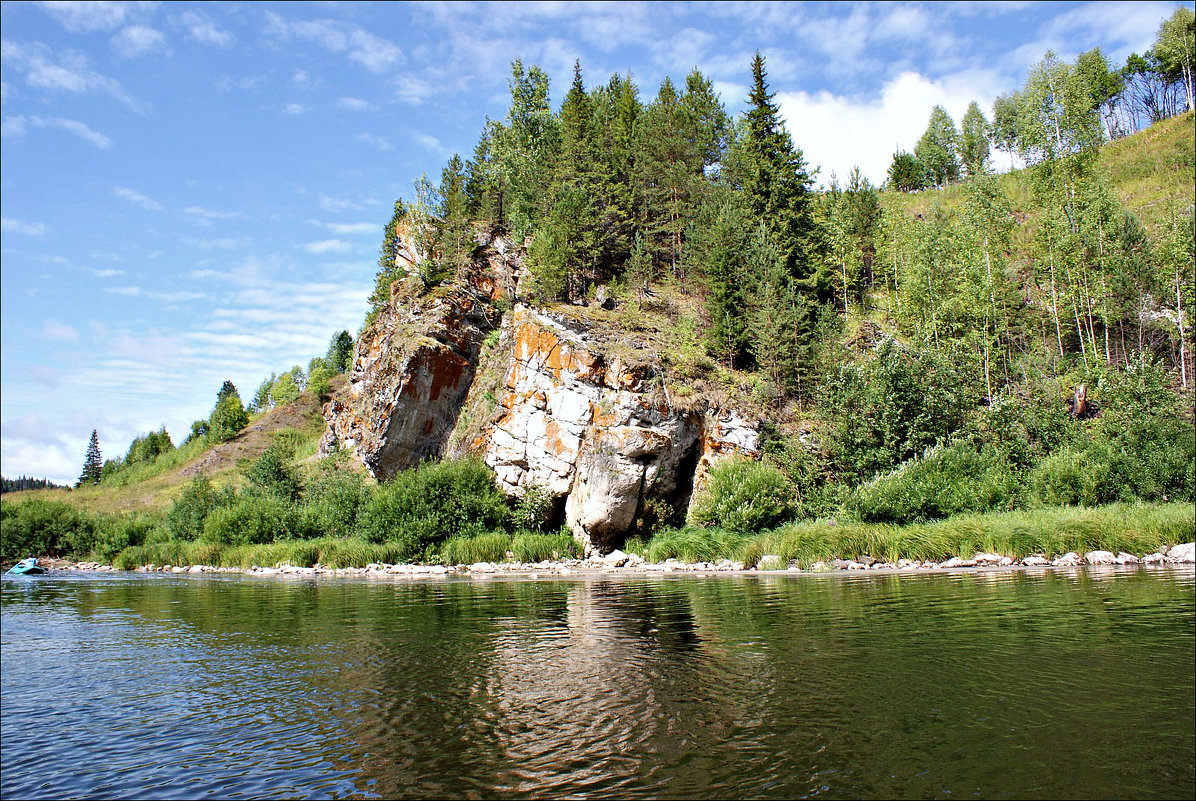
x,y
1184,554
1099,558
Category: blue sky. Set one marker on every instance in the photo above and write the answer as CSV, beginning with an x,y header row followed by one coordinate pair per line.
x,y
196,192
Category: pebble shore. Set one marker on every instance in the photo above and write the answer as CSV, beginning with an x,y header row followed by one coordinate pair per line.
x,y
632,564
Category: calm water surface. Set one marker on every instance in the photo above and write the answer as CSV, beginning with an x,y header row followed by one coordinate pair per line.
x,y
1014,684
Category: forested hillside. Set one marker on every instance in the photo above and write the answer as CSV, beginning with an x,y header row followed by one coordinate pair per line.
x,y
958,341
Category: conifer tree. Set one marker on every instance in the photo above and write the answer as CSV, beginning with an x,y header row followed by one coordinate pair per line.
x,y
667,171
524,148
388,269
93,462
777,185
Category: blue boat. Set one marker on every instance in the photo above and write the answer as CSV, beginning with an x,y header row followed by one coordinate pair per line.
x,y
26,567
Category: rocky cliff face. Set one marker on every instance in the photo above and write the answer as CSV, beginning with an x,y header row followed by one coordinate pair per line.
x,y
599,435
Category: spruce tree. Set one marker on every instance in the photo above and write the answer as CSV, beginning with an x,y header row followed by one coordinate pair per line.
x,y
777,184
93,462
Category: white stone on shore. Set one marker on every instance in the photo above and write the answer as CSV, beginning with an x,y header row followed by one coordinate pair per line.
x,y
1152,559
1069,559
1124,558
955,561
482,567
1035,561
1184,554
1099,558
987,558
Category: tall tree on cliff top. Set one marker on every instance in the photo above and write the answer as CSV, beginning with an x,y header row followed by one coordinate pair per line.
x,y
973,140
777,184
93,462
524,148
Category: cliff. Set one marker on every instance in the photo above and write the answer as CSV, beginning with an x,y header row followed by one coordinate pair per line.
x,y
552,404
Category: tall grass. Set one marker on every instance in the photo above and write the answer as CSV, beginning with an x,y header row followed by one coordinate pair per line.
x,y
480,548
1051,532
329,552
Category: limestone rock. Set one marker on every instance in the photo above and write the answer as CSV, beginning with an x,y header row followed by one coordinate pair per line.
x,y
1099,558
1185,554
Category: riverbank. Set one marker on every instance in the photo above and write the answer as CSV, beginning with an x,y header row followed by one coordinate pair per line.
x,y
624,563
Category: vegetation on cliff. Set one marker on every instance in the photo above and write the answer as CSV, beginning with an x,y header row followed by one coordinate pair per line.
x,y
952,344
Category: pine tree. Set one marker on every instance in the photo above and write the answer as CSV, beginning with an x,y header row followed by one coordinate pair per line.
x,y
93,462
388,268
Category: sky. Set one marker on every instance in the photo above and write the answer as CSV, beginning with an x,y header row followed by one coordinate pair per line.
x,y
197,192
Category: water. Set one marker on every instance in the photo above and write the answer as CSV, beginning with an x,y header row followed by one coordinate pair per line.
x,y
994,685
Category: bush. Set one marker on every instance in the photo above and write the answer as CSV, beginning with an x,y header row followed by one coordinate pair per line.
x,y
894,407
272,474
189,511
743,496
332,504
941,482
43,528
421,507
252,520
115,534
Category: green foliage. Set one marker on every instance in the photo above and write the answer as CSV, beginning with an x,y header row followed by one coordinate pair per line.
x,y
491,547
973,140
252,519
332,503
149,447
428,504
272,474
693,544
389,270
229,416
42,528
938,149
943,481
905,173
742,496
187,514
894,406
339,357
533,509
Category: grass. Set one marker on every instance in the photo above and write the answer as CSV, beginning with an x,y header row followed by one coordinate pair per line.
x,y
327,552
1137,528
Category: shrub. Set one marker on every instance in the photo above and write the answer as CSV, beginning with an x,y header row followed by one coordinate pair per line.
x,y
252,520
941,482
743,496
894,407
332,504
115,534
187,514
272,474
426,505
43,528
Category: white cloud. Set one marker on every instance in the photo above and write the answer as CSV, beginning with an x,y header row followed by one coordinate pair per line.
x,y
372,52
69,72
346,229
353,104
61,332
133,196
106,273
379,143
200,28
17,126
165,297
22,227
85,17
293,108
411,89
430,142
139,40
210,214
836,132
328,246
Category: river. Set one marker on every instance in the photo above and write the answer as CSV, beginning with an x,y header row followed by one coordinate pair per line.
x,y
1003,684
